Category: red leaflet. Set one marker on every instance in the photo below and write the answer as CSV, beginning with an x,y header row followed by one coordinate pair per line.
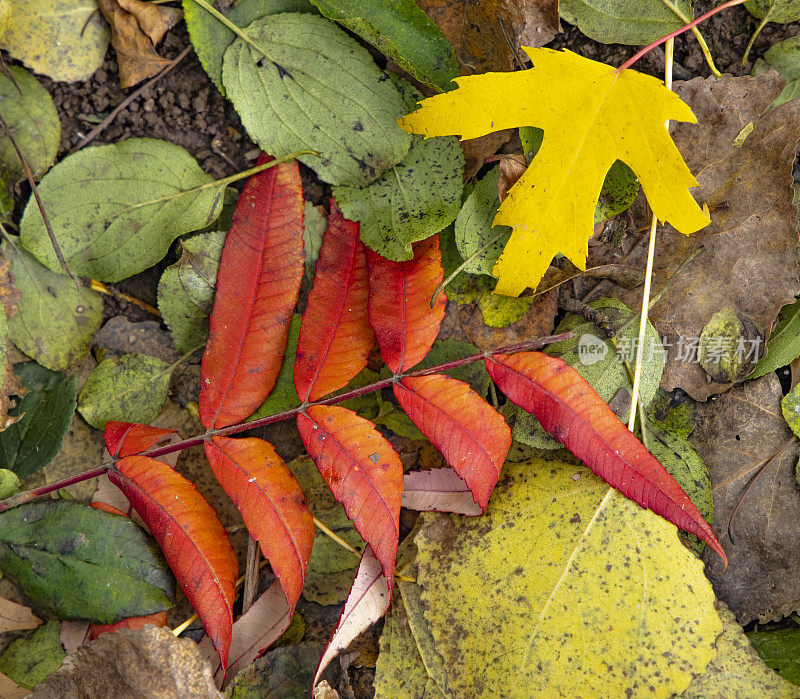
x,y
367,602
335,335
570,410
400,303
126,438
473,437
272,505
191,536
440,489
259,280
134,623
363,472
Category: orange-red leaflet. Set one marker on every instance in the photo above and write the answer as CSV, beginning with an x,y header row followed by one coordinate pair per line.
x,y
191,536
260,272
400,310
335,334
128,438
569,409
473,437
363,472
271,503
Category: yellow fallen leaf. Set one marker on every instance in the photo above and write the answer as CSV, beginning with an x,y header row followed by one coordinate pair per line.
x,y
591,114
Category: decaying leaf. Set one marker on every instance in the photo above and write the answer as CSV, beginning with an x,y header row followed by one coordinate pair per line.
x,y
136,28
15,617
31,658
747,259
751,455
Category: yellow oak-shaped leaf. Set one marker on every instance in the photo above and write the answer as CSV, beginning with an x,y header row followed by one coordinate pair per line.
x,y
592,114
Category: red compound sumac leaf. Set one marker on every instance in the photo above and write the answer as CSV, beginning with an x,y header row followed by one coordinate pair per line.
x,y
400,303
335,334
258,284
191,536
271,503
472,436
569,409
128,438
363,472
134,623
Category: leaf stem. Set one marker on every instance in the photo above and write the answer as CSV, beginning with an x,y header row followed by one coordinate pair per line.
x,y
753,38
34,493
697,35
678,32
95,285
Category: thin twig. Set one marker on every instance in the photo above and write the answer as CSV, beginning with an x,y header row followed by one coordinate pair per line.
x,y
250,575
95,285
333,536
130,98
39,203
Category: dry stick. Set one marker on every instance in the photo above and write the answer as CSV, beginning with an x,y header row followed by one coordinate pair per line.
x,y
669,50
130,98
39,203
34,493
250,575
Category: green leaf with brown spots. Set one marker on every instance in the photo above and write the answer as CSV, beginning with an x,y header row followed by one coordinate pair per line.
x,y
416,198
56,320
563,588
116,209
131,388
68,558
31,658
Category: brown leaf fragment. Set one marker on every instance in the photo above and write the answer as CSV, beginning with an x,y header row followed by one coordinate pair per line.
x,y
9,294
11,387
150,662
477,150
136,28
512,166
16,617
10,689
751,455
747,259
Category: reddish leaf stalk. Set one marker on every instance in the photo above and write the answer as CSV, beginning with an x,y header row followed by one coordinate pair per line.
x,y
34,493
678,32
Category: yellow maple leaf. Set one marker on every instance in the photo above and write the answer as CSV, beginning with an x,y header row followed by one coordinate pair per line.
x,y
592,114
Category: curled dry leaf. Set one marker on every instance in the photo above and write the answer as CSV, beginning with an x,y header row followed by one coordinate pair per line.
x,y
440,489
136,28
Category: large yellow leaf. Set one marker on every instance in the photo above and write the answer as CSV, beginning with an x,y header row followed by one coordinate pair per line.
x,y
592,114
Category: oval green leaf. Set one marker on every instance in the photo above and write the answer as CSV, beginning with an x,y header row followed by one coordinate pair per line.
x,y
116,209
31,658
83,563
299,82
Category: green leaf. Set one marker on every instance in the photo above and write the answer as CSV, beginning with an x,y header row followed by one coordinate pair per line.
x,y
30,659
790,407
780,650
499,311
47,409
66,40
542,612
782,11
9,483
186,290
783,346
401,31
308,85
83,563
284,395
116,209
132,388
314,224
56,320
32,118
623,22
210,37
416,198
444,351
784,57
620,188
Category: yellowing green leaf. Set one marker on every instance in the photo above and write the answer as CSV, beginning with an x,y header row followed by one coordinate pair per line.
x,y
613,115
563,588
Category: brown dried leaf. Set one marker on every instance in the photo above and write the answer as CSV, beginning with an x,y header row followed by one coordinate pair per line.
x,y
10,689
16,617
477,150
735,435
136,28
748,260
512,165
9,294
11,387
146,663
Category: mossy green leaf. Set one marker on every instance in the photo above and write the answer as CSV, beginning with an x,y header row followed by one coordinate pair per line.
x,y
65,40
623,22
782,11
780,650
30,659
31,116
83,563
56,320
186,290
210,37
116,209
401,31
737,671
131,388
299,82
284,395
416,198
563,588
46,409
499,311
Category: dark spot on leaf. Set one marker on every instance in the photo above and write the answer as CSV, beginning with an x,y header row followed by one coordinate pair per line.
x,y
282,72
358,126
